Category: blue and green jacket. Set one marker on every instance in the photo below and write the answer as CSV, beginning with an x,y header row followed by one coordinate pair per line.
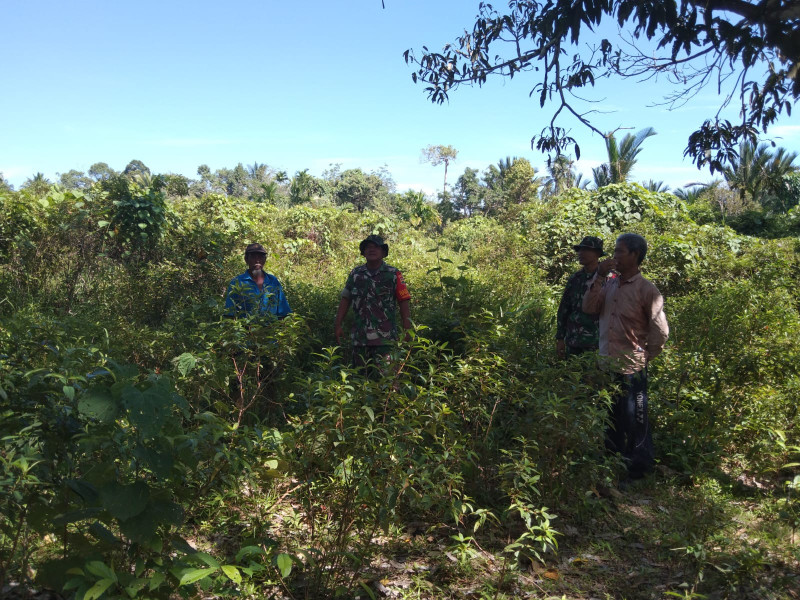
x,y
245,299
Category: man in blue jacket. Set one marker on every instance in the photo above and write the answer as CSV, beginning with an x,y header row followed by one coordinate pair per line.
x,y
255,292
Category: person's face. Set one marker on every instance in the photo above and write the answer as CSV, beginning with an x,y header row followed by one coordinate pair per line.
x,y
626,260
255,261
373,252
587,256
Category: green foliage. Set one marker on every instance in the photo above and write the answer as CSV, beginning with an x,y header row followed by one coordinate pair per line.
x,y
105,460
151,447
417,210
138,214
18,226
359,189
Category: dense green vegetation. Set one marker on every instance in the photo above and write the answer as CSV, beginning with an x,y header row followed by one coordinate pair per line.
x,y
150,447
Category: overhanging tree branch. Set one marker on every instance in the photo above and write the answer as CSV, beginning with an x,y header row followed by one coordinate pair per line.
x,y
694,40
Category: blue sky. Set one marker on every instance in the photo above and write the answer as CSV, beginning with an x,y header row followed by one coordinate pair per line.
x,y
294,85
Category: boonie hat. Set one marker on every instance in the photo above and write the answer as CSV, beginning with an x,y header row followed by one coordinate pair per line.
x,y
255,249
592,243
377,240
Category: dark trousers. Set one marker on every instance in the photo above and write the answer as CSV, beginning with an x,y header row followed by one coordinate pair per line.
x,y
630,433
577,350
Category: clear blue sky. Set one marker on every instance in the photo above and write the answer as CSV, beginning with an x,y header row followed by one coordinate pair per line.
x,y
294,85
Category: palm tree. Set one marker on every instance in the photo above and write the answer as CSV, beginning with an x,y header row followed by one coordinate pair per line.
x,y
561,175
303,187
621,157
39,185
505,164
691,192
602,176
580,183
655,186
258,172
759,172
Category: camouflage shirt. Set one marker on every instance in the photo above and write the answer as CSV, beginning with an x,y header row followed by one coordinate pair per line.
x,y
375,296
575,327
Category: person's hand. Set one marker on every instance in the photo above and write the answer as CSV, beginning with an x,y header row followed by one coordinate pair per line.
x,y
338,332
606,266
561,348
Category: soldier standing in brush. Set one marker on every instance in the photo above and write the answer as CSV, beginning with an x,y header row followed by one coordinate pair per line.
x,y
376,292
576,331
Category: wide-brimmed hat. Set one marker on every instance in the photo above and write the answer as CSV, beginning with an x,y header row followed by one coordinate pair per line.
x,y
377,240
254,249
591,243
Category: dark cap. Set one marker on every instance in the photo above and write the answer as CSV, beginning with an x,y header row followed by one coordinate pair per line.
x,y
377,240
591,243
255,249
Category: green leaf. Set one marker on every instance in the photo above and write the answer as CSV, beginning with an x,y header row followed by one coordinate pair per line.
x,y
100,569
249,551
193,575
365,587
103,223
99,531
181,545
69,392
232,573
142,528
207,558
447,280
125,501
76,515
156,580
98,589
84,489
185,363
97,403
369,411
284,563
135,586
167,512
72,583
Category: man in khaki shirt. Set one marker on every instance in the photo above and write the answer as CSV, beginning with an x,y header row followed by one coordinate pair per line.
x,y
633,331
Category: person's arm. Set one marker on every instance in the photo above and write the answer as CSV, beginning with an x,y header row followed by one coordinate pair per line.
x,y
595,297
658,330
403,298
561,323
405,316
282,309
344,306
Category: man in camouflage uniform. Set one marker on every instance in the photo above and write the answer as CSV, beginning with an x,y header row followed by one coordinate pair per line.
x,y
577,331
376,291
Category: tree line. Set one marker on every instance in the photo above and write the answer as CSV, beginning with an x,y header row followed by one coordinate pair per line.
x,y
758,183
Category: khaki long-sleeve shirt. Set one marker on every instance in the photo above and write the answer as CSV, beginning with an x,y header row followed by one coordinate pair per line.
x,y
633,326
